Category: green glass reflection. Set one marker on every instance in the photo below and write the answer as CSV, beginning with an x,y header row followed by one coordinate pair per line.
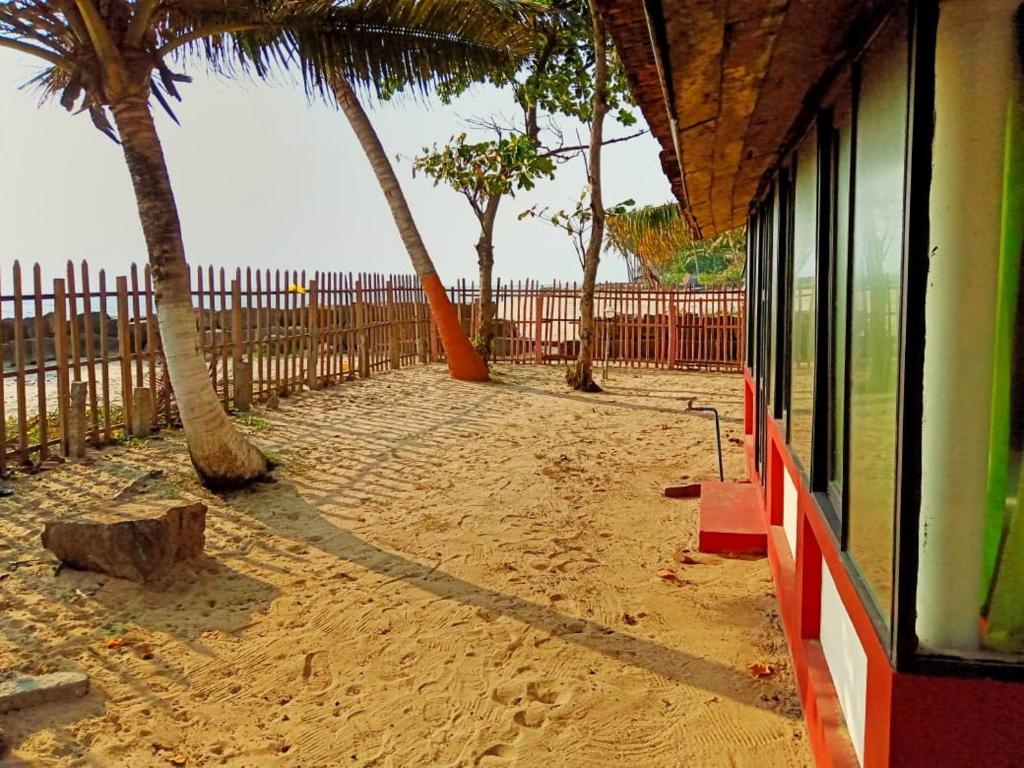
x,y
805,217
875,316
1003,606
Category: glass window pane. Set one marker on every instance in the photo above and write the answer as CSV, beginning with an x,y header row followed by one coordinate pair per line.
x,y
843,138
805,218
773,293
875,317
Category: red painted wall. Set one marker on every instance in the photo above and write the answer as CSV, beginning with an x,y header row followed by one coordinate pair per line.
x,y
912,721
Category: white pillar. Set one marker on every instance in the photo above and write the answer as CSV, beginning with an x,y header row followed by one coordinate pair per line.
x,y
974,72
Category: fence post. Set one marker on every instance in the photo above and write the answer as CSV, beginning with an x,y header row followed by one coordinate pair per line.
x,y
313,353
124,351
236,323
538,352
435,343
422,332
60,351
3,410
361,337
393,329
40,361
673,336
19,363
76,420
142,412
241,369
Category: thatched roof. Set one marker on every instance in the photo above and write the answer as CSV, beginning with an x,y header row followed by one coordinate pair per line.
x,y
723,85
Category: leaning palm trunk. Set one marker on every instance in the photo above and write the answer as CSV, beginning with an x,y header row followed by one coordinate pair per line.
x,y
222,457
464,362
580,375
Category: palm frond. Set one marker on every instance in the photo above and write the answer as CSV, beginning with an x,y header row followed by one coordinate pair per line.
x,y
651,233
657,244
371,43
417,43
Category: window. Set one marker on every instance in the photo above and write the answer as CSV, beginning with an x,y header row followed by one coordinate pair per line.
x,y
842,148
782,228
803,306
764,217
877,256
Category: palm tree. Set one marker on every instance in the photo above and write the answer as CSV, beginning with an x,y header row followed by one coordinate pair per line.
x,y
111,56
658,246
467,40
648,238
464,361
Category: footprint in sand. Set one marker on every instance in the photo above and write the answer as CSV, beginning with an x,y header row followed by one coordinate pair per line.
x,y
507,694
532,717
546,692
498,750
317,674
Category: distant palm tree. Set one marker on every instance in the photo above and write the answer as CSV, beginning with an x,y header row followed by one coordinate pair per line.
x,y
112,56
648,238
657,244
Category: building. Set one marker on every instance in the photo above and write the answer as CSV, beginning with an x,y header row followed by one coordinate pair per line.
x,y
876,151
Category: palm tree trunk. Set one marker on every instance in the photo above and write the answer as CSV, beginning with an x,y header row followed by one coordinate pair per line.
x,y
581,376
464,362
221,456
485,260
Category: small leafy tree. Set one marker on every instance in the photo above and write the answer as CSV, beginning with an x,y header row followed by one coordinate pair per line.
x,y
558,82
485,172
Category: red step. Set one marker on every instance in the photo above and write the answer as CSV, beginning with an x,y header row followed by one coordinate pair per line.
x,y
730,520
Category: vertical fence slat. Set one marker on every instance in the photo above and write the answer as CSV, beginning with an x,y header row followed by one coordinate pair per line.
x,y
136,326
72,315
124,350
313,348
19,364
105,358
40,352
60,351
3,386
308,333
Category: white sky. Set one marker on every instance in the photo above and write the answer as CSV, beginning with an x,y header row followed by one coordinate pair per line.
x,y
264,179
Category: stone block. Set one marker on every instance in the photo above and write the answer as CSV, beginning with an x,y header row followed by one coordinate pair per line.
x,y
139,542
23,692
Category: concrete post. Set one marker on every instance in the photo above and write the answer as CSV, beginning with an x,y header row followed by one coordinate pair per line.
x,y
76,420
243,385
974,74
142,412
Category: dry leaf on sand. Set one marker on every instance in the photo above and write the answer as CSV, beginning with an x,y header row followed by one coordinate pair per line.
x,y
759,669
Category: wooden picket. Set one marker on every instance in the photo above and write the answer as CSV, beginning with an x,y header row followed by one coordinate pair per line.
x,y
291,332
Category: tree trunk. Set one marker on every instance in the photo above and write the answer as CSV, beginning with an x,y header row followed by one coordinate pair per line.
x,y
221,456
485,260
464,362
580,376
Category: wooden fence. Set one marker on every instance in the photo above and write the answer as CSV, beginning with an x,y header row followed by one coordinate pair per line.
x,y
81,358
650,327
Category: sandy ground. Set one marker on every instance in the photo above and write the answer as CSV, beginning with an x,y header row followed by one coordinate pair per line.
x,y
444,574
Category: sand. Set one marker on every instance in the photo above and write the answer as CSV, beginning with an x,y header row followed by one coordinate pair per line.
x,y
444,574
